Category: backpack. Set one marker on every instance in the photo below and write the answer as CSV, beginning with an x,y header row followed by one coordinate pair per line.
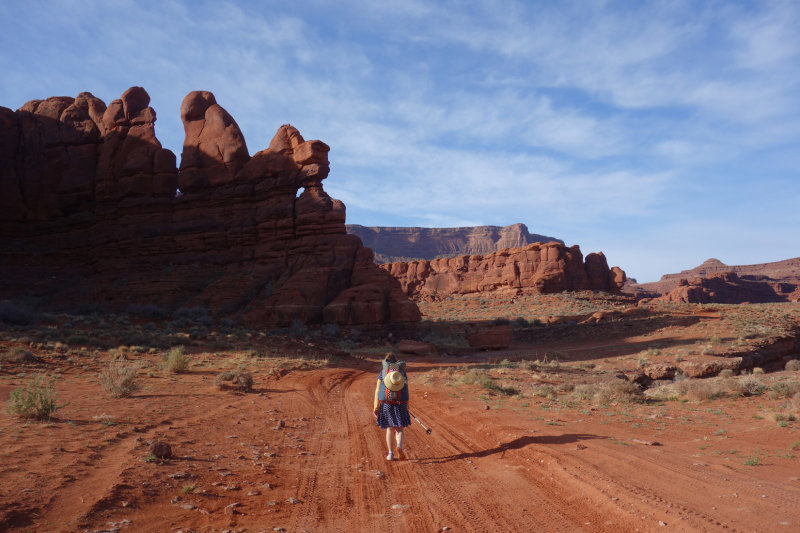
x,y
390,395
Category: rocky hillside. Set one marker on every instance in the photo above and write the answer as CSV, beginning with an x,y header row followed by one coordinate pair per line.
x,y
392,244
93,209
714,281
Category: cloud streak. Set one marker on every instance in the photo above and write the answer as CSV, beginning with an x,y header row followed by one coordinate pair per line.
x,y
576,118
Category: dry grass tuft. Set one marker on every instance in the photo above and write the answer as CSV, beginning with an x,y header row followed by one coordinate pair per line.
x,y
18,354
749,385
618,391
119,379
177,360
239,379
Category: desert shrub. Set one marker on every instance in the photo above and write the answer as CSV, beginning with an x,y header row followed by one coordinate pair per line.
x,y
78,338
483,379
331,330
584,392
16,314
501,321
793,365
796,402
177,361
758,371
17,354
784,389
89,308
119,379
618,390
521,322
544,391
147,311
197,315
198,332
228,323
297,329
705,389
38,400
726,373
565,387
237,379
476,377
748,385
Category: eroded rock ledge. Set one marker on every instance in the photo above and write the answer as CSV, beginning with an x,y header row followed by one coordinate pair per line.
x,y
89,213
536,268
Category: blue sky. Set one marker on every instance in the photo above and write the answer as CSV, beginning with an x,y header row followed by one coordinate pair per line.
x,y
662,133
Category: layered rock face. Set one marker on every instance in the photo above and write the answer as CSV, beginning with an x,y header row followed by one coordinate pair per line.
x,y
710,282
393,244
89,213
536,268
729,288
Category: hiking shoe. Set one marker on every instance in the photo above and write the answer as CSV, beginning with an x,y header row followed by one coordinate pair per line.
x,y
401,455
390,456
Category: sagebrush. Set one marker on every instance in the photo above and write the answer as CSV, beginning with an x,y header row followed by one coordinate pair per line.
x,y
38,400
119,378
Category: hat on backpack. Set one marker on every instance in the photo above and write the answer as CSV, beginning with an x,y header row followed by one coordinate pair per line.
x,y
394,381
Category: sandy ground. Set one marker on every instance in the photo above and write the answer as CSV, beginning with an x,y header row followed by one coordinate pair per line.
x,y
301,453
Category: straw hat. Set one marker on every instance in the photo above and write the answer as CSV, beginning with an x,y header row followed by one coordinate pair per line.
x,y
394,381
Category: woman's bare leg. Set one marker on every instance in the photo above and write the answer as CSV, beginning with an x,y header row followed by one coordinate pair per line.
x,y
398,434
389,440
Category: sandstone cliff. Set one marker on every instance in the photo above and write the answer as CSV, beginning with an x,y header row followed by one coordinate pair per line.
x,y
392,244
536,268
93,209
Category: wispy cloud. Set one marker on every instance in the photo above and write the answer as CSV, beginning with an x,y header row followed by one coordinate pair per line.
x,y
594,116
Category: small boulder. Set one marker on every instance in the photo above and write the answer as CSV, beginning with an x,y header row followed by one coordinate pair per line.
x,y
160,449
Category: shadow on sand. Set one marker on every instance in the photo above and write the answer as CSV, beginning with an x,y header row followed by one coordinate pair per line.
x,y
516,444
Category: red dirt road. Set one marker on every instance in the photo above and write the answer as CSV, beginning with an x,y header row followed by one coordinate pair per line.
x,y
302,453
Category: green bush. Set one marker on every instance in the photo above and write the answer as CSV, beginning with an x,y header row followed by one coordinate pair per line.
x,y
119,379
177,360
38,400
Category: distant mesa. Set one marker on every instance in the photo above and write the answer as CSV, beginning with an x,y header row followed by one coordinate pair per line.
x,y
392,244
93,209
715,282
729,288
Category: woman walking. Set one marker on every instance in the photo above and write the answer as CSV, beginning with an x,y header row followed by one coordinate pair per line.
x,y
391,404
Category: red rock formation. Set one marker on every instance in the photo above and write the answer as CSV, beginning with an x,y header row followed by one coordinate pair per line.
x,y
729,288
538,268
89,212
393,244
786,271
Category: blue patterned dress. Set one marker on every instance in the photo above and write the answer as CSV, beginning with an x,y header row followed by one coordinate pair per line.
x,y
392,415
